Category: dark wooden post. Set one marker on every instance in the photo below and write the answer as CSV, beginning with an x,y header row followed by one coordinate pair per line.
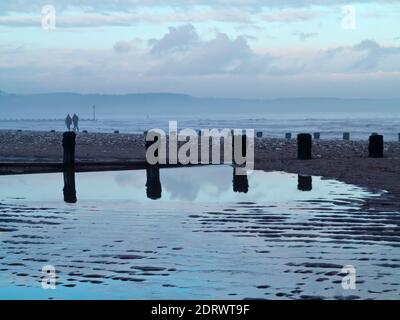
x,y
288,135
304,146
68,144
317,135
304,183
69,186
346,136
375,147
259,134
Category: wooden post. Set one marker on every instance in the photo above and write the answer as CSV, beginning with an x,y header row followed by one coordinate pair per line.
x,y
346,136
375,147
288,135
304,146
317,135
259,134
304,183
68,144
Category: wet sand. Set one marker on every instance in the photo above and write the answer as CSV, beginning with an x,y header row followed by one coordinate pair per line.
x,y
273,242
346,161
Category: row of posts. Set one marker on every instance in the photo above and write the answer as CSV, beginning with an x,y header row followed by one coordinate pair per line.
x,y
259,134
316,135
304,147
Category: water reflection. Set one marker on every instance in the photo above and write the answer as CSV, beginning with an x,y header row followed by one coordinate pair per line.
x,y
153,184
69,186
189,187
240,181
304,183
115,243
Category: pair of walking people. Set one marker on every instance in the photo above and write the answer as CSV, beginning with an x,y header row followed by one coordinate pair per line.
x,y
74,120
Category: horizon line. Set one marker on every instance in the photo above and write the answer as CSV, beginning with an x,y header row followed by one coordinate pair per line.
x,y
192,96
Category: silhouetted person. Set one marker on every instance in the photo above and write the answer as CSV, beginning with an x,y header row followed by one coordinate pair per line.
x,y
304,183
68,122
240,182
69,186
153,184
75,120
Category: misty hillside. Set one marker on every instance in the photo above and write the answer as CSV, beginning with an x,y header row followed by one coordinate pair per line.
x,y
56,105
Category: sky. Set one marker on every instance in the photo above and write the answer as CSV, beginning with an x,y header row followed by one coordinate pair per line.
x,y
214,48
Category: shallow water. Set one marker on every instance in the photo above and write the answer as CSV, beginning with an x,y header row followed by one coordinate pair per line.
x,y
200,240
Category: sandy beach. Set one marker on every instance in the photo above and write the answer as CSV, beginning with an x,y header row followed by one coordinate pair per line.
x,y
346,161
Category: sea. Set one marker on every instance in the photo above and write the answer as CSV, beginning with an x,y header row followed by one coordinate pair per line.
x,y
330,126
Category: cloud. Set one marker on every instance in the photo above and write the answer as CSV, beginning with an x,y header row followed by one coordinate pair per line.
x,y
376,56
177,39
290,15
122,46
129,5
304,36
91,19
219,55
183,61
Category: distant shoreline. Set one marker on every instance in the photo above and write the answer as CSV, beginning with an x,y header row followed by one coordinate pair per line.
x,y
342,160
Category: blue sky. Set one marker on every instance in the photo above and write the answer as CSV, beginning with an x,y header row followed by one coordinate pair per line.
x,y
246,49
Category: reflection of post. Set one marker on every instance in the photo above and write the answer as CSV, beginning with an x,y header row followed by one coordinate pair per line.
x,y
240,182
69,186
304,183
153,184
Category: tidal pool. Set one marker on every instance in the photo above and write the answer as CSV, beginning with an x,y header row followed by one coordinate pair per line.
x,y
193,233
